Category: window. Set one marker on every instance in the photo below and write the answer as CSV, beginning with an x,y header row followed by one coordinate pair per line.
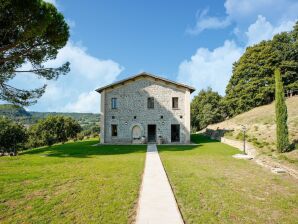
x,y
114,103
175,102
150,102
161,117
113,117
114,130
134,117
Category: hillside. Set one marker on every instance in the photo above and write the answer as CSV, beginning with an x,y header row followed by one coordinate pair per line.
x,y
17,113
260,124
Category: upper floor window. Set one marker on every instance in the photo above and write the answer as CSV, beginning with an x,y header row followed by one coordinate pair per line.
x,y
114,103
114,130
150,102
175,102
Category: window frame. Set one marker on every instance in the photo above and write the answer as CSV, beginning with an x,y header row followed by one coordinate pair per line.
x,y
114,103
173,102
151,104
113,130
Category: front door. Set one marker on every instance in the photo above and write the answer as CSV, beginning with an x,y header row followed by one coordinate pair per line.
x,y
175,133
151,133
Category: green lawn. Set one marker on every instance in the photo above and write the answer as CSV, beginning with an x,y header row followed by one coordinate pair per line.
x,y
71,183
212,187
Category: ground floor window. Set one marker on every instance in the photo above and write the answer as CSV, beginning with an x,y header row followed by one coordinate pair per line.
x,y
175,133
114,130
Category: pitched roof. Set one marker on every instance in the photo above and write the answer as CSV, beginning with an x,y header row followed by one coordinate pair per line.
x,y
145,74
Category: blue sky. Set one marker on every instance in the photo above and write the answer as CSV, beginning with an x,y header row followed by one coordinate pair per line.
x,y
194,42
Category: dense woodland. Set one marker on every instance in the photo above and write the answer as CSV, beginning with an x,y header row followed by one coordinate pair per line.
x,y
252,82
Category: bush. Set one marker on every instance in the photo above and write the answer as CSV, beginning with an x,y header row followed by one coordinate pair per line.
x,y
12,136
53,129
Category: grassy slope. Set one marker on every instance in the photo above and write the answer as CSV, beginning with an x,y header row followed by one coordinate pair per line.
x,y
71,183
260,122
212,187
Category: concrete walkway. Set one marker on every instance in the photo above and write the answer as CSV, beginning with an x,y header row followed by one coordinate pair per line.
x,y
157,204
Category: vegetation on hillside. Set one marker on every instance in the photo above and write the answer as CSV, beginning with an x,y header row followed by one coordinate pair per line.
x,y
281,114
32,32
260,123
252,82
88,121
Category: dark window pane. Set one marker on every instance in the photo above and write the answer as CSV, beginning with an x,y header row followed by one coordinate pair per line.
x,y
150,102
114,103
114,130
175,102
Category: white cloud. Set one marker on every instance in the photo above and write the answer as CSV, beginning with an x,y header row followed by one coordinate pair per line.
x,y
207,22
242,13
246,11
76,90
264,30
210,68
86,102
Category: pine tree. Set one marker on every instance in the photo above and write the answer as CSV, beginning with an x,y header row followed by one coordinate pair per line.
x,y
282,138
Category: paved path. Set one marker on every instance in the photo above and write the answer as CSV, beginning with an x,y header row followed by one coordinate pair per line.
x,y
157,204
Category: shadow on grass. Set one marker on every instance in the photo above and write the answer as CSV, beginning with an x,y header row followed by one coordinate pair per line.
x,y
84,149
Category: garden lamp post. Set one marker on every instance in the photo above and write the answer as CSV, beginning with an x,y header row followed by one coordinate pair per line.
x,y
244,130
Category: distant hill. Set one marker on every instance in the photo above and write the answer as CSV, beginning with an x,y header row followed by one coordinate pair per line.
x,y
17,113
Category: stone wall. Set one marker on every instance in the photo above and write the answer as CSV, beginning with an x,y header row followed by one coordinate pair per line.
x,y
132,102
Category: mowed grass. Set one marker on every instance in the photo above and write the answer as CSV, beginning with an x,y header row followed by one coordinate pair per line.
x,y
71,183
212,187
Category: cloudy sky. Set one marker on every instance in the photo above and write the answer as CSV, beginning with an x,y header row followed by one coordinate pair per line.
x,y
194,42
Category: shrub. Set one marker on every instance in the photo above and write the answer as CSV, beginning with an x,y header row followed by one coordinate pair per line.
x,y
282,136
53,129
12,136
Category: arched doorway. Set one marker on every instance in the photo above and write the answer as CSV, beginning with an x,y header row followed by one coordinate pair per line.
x,y
136,132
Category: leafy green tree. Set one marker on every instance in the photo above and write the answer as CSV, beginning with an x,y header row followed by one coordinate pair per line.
x,y
252,82
206,108
12,136
282,135
31,33
53,129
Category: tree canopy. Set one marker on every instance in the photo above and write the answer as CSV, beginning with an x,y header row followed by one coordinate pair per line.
x,y
53,129
32,32
206,108
252,82
12,136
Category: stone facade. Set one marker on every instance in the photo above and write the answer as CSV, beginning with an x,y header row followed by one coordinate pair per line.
x,y
132,115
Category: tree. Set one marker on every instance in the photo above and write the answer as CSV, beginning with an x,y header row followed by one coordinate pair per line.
x,y
53,129
282,136
206,108
252,82
32,32
12,136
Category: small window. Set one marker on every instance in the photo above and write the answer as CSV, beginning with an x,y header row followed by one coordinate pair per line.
x,y
181,116
175,102
114,130
150,102
113,117
161,117
134,117
114,103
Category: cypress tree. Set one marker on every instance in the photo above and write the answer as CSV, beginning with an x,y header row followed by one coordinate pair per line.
x,y
282,138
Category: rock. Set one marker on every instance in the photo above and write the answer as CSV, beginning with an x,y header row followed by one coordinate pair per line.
x,y
242,156
278,170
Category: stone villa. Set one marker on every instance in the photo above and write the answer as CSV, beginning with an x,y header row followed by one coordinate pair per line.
x,y
145,108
